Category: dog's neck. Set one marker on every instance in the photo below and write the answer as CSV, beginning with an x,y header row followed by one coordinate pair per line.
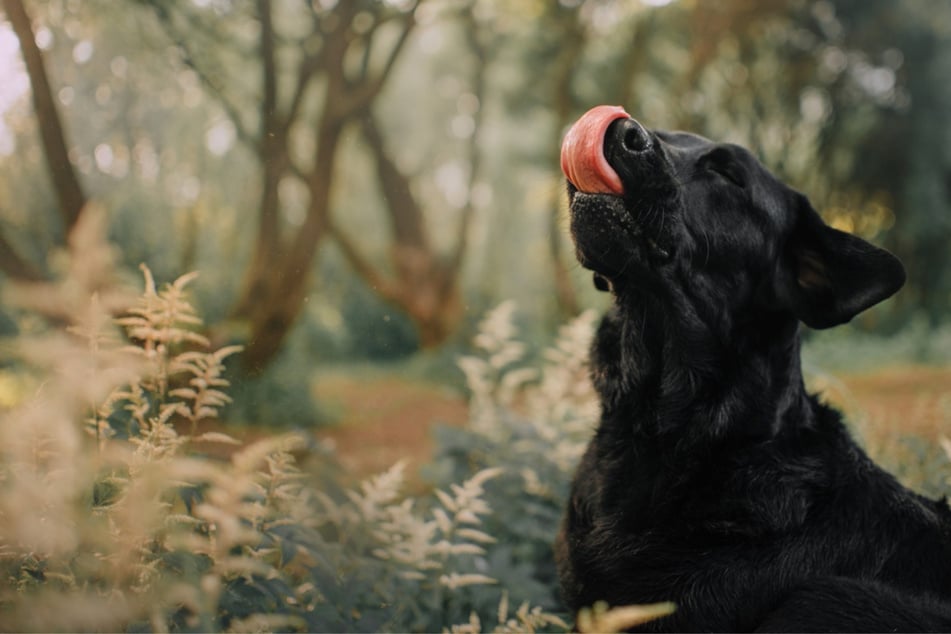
x,y
658,377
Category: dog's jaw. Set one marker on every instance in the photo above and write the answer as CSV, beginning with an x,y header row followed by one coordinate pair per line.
x,y
610,162
612,243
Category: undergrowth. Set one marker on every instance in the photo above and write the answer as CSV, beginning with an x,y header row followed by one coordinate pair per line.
x,y
114,514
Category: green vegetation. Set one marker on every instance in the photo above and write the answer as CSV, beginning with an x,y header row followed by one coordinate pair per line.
x,y
114,515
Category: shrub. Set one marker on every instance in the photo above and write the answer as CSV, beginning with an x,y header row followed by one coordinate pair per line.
x,y
533,423
112,517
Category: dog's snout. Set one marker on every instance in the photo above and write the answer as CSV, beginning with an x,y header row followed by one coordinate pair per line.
x,y
633,137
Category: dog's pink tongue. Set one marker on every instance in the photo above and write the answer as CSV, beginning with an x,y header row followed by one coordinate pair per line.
x,y
582,152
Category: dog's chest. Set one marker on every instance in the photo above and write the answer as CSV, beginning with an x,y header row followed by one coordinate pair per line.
x,y
741,494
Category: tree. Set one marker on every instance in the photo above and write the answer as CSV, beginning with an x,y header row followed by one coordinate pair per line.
x,y
903,157
311,90
69,192
342,53
424,282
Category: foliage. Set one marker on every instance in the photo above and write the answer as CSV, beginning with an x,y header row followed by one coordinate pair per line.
x,y
921,464
535,423
374,330
113,515
850,349
282,397
113,518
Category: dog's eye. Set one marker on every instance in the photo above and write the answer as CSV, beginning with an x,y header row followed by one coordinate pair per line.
x,y
721,163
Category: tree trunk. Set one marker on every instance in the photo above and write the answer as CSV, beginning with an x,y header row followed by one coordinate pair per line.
x,y
565,295
426,284
69,193
277,280
564,69
65,183
14,265
271,322
435,328
277,287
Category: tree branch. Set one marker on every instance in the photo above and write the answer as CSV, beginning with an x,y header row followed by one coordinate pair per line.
x,y
406,217
308,67
361,264
481,53
215,90
366,91
564,66
268,71
272,142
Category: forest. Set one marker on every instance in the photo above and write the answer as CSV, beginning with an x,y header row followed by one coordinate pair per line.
x,y
234,231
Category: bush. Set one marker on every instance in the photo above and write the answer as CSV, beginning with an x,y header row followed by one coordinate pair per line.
x,y
112,517
533,424
847,348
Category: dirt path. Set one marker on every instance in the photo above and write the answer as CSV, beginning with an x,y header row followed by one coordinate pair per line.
x,y
886,405
385,419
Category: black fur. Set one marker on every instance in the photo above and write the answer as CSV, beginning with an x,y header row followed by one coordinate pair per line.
x,y
714,479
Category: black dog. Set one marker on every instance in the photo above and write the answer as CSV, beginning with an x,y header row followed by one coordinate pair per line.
x,y
714,480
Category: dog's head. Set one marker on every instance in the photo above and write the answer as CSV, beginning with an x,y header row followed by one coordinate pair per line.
x,y
675,216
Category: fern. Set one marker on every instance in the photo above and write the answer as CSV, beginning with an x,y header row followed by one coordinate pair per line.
x,y
111,520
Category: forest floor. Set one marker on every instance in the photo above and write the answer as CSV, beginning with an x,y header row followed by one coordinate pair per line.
x,y
382,418
388,418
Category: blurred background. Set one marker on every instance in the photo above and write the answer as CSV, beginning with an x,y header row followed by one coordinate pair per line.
x,y
358,181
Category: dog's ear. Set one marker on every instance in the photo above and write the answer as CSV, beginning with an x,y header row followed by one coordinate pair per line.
x,y
828,276
602,283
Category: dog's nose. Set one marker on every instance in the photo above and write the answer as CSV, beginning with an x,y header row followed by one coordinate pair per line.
x,y
631,135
